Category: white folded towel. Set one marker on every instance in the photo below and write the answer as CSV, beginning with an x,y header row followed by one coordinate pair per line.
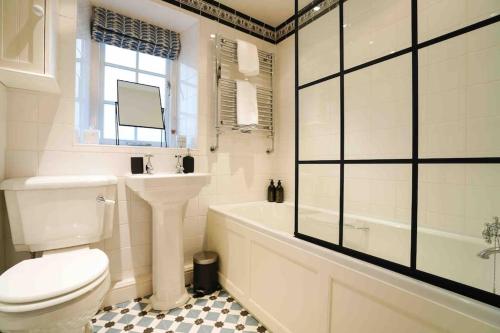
x,y
246,103
248,58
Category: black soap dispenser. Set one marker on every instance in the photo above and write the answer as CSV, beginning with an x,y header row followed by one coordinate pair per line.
x,y
280,193
271,192
188,163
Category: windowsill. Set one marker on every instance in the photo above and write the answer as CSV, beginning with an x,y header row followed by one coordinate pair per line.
x,y
86,147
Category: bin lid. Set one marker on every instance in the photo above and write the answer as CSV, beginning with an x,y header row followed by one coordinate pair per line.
x,y
205,257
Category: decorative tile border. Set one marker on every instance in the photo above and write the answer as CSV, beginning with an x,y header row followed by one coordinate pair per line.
x,y
308,14
226,15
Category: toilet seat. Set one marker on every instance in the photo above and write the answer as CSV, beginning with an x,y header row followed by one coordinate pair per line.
x,y
50,280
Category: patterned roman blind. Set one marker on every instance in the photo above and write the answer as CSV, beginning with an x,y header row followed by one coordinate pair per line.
x,y
118,30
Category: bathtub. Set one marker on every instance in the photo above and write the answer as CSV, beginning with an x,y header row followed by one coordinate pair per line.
x,y
295,286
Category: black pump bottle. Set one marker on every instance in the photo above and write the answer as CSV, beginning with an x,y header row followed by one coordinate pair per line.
x,y
280,193
271,192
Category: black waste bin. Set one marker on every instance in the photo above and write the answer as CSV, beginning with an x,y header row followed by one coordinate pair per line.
x,y
205,276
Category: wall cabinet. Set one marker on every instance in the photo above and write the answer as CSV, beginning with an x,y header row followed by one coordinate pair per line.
x,y
28,30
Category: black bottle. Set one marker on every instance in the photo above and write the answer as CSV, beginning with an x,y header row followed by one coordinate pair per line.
x,y
271,192
280,193
188,163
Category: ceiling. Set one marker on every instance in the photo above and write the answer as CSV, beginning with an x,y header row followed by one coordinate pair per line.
x,y
272,12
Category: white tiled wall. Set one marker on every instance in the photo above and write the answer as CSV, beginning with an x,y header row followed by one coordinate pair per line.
x,y
458,198
459,116
3,145
378,110
319,48
459,80
437,17
456,201
284,156
40,133
375,28
3,128
319,186
381,191
319,120
40,141
187,100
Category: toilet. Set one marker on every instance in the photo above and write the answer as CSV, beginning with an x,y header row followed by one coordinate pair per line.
x,y
56,218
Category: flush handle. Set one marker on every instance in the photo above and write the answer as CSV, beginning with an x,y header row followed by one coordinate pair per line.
x,y
38,10
106,210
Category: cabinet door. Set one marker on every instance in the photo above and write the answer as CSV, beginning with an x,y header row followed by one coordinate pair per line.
x,y
22,42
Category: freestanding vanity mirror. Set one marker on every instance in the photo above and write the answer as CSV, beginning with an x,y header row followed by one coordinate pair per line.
x,y
138,105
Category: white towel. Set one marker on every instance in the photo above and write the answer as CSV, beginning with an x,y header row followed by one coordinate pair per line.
x,y
248,58
246,103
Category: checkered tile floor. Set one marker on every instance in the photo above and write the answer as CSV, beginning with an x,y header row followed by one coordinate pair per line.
x,y
215,313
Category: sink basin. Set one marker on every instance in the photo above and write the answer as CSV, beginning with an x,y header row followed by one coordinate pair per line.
x,y
168,195
167,187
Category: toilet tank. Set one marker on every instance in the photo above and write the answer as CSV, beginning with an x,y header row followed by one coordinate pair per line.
x,y
48,213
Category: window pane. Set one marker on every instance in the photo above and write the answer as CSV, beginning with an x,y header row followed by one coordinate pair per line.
x,y
436,18
79,48
378,110
377,210
459,84
187,126
149,134
108,126
156,81
109,132
319,47
152,64
111,75
455,201
77,116
118,56
319,113
373,29
319,188
126,133
78,78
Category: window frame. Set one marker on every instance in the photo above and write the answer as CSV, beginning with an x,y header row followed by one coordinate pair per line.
x,y
167,103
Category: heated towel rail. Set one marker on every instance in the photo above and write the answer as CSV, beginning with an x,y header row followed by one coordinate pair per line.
x,y
225,76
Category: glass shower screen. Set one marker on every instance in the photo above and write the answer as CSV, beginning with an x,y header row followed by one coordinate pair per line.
x,y
397,144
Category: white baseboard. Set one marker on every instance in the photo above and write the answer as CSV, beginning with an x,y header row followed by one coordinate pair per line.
x,y
127,289
138,286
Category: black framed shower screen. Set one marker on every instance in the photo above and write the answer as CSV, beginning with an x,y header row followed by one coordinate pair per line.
x,y
415,161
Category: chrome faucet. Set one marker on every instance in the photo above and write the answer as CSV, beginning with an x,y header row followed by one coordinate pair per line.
x,y
485,254
178,167
149,166
491,234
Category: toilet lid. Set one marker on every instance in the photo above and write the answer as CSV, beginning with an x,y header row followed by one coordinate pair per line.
x,y
50,276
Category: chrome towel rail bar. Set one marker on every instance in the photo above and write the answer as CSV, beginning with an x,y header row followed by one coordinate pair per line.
x,y
225,92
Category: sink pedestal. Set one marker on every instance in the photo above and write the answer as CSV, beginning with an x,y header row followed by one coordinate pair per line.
x,y
169,289
168,195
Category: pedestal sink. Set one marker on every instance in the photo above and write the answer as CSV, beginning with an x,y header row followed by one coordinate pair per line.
x,y
168,195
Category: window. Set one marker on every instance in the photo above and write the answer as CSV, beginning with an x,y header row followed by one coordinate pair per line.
x,y
78,80
122,64
99,66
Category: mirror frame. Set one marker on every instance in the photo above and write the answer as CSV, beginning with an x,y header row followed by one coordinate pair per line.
x,y
117,106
